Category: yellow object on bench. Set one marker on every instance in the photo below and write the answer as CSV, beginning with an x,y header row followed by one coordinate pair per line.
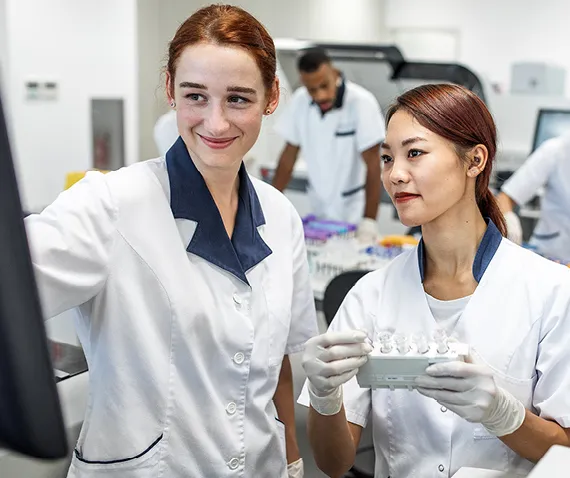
x,y
75,176
398,240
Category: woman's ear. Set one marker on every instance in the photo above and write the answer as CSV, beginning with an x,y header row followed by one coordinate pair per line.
x,y
478,158
169,89
273,98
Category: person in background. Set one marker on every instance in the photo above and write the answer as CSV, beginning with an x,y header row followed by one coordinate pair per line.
x,y
191,279
548,167
165,132
508,403
338,126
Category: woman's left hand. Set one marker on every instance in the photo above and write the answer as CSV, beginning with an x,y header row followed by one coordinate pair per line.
x,y
470,391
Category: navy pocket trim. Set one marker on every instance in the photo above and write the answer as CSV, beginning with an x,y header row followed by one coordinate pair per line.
x,y
352,132
546,236
350,192
122,460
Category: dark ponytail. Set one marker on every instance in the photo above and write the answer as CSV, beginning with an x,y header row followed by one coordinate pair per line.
x,y
489,207
461,117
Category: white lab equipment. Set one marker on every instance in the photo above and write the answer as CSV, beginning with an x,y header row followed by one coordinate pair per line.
x,y
469,472
550,123
398,359
516,119
338,255
537,79
554,464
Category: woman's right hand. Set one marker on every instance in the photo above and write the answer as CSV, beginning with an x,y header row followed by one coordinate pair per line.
x,y
331,360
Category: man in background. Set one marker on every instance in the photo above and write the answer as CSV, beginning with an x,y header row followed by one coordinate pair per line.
x,y
339,127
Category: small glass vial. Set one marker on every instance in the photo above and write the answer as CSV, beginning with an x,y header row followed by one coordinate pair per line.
x,y
385,341
440,338
402,343
421,342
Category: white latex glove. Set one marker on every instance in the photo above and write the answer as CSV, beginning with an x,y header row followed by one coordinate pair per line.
x,y
330,360
470,391
514,228
296,469
367,231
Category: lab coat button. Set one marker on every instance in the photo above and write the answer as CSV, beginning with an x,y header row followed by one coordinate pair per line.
x,y
237,299
441,468
239,358
443,409
233,464
231,408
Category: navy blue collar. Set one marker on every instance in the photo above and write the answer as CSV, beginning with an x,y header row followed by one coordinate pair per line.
x,y
191,199
339,100
487,249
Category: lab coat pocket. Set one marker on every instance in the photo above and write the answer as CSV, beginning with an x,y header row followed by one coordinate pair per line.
x,y
143,465
353,191
546,237
521,389
345,132
282,464
281,432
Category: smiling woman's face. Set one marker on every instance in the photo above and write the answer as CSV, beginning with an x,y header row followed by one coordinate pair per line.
x,y
220,100
421,172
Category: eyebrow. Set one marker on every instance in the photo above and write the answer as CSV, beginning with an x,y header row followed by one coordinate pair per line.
x,y
231,89
406,142
189,84
241,89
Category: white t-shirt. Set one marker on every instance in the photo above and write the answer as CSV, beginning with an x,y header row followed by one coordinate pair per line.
x,y
332,145
447,312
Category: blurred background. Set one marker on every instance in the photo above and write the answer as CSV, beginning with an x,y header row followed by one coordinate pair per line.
x,y
83,87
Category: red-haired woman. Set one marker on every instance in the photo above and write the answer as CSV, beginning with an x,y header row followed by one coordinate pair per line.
x,y
191,279
508,402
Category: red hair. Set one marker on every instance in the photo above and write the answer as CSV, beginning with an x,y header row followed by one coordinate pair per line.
x,y
225,25
461,117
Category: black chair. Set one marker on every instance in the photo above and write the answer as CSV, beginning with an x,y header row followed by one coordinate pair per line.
x,y
335,293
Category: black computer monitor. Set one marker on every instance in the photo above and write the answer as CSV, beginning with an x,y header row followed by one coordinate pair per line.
x,y
550,123
31,420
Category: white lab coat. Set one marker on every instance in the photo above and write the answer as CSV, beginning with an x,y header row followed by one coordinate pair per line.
x,y
184,357
332,147
518,321
165,132
548,166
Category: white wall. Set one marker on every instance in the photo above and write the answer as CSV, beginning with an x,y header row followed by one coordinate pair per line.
x,y
3,41
90,49
150,90
493,34
325,20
